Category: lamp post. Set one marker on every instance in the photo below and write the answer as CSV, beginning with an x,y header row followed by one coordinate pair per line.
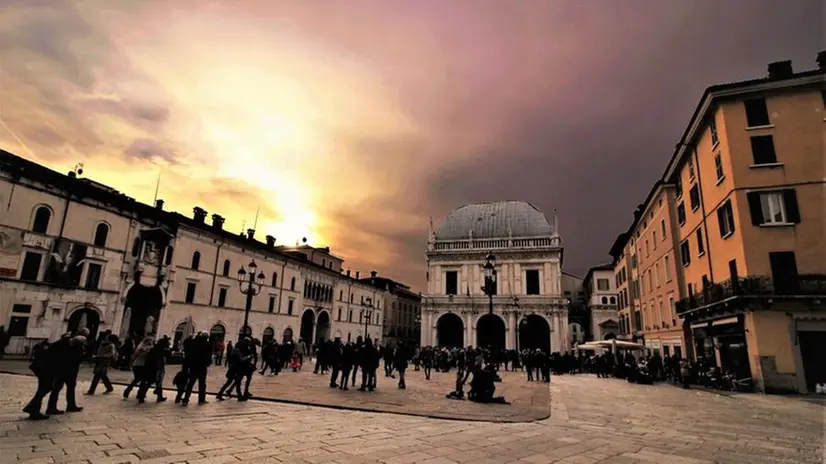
x,y
366,314
250,284
490,279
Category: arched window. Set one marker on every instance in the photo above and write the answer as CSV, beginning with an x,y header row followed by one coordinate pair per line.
x,y
604,300
101,234
225,272
351,298
613,300
292,284
341,295
196,260
42,216
274,279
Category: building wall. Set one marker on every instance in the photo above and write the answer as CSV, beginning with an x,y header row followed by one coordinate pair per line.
x,y
54,303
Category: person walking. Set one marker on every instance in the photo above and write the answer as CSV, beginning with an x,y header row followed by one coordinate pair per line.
x,y
41,368
400,362
198,358
140,376
66,355
104,357
156,366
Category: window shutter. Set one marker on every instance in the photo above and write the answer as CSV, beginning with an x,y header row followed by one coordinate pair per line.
x,y
792,210
755,209
721,222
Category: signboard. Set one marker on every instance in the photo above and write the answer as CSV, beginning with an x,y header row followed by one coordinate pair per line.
x,y
11,247
66,263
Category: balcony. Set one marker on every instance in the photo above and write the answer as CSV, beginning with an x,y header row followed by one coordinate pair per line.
x,y
526,301
810,285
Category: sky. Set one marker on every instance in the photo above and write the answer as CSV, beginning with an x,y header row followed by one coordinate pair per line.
x,y
351,123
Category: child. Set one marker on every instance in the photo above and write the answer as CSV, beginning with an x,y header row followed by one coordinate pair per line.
x,y
180,383
295,364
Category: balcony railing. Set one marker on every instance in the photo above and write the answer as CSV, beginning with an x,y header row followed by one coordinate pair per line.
x,y
493,244
755,286
498,300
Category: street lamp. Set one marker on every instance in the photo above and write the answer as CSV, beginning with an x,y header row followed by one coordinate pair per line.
x,y
250,284
490,279
366,314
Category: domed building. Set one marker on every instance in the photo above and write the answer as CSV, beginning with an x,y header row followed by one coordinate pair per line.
x,y
524,252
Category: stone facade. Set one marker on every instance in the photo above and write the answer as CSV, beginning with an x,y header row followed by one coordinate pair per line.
x,y
528,280
600,289
77,253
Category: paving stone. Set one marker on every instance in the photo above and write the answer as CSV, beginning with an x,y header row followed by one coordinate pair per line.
x,y
603,421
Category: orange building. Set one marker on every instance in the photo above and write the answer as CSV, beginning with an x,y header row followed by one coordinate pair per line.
x,y
646,252
744,204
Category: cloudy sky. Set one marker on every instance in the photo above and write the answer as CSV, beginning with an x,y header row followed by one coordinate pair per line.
x,y
353,122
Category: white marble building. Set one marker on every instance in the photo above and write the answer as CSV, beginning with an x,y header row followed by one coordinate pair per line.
x,y
528,264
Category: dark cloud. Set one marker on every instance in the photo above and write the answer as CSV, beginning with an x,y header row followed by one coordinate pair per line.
x,y
150,150
141,114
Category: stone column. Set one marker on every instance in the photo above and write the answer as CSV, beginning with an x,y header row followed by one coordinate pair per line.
x,y
469,330
513,331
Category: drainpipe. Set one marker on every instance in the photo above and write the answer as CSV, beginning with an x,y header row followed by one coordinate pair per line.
x,y
281,292
215,272
704,225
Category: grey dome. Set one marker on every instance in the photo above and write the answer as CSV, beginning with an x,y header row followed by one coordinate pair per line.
x,y
495,220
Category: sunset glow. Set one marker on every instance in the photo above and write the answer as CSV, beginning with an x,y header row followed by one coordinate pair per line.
x,y
352,124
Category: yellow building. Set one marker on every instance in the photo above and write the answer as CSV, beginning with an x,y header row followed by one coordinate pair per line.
x,y
750,180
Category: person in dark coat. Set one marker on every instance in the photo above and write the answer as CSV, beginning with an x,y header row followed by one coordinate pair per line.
x,y
348,359
198,358
334,353
156,366
41,367
369,359
400,361
67,354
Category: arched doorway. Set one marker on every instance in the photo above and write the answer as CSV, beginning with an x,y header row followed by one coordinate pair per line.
x,y
450,331
86,318
307,324
142,303
323,330
287,336
182,331
609,336
216,334
534,332
490,332
268,335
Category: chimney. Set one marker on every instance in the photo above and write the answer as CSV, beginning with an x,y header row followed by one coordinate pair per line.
x,y
780,69
357,275
348,273
821,60
199,214
270,241
250,234
159,204
217,221
373,274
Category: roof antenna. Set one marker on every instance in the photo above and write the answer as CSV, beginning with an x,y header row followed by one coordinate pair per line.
x,y
255,224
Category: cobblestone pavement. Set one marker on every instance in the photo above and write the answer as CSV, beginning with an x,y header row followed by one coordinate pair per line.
x,y
529,400
593,420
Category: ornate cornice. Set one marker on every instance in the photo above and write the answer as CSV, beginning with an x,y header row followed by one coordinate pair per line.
x,y
550,254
